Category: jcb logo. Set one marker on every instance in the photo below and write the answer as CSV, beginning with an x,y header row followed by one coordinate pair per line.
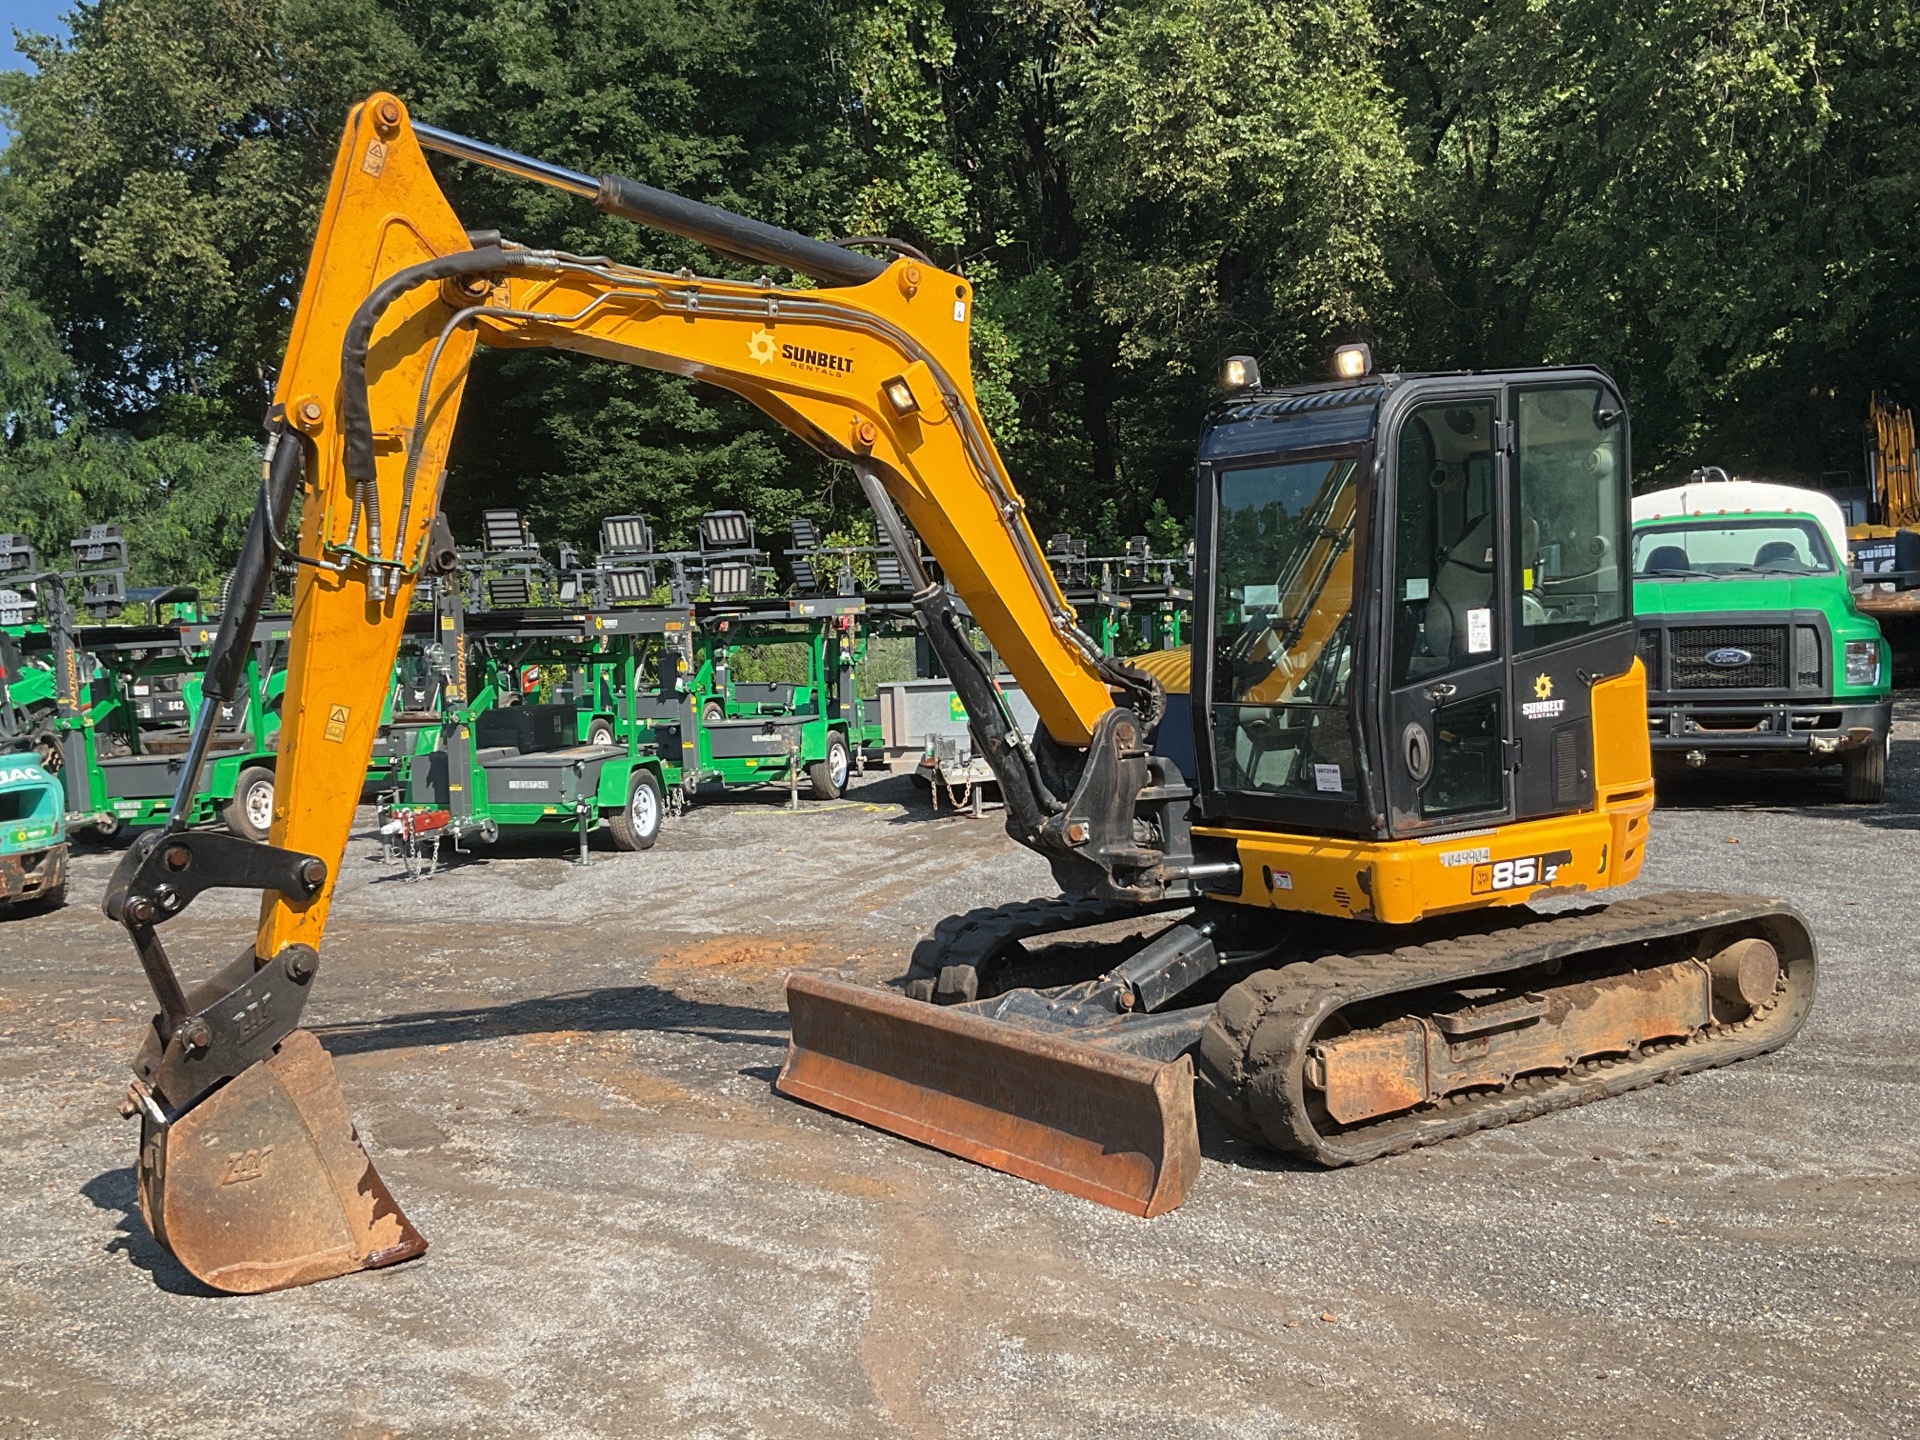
x,y
245,1165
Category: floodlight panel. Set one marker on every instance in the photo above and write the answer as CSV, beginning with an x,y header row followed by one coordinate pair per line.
x,y
504,529
806,536
99,545
888,572
15,608
104,592
16,554
630,585
730,579
507,592
725,530
626,535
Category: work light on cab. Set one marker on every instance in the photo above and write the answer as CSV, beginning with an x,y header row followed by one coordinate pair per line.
x,y
1241,372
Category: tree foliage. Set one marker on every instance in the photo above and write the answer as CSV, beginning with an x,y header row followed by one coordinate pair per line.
x,y
1714,199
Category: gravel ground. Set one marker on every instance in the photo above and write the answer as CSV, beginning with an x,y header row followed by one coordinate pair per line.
x,y
564,1076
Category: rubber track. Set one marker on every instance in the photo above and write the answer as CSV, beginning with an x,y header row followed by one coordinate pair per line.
x,y
1252,1055
978,940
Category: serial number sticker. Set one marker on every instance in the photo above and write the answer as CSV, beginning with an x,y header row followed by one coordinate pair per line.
x,y
1521,874
1479,855
1326,777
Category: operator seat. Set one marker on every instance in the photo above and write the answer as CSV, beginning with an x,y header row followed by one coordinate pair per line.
x,y
1776,552
1464,583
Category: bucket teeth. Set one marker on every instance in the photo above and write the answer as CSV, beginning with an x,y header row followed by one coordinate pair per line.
x,y
1099,1124
264,1184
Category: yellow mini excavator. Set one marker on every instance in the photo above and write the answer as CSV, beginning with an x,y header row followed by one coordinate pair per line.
x,y
1412,706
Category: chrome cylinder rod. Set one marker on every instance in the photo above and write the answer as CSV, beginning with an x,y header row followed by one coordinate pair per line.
x,y
432,137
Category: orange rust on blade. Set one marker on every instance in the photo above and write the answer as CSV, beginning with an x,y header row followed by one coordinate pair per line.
x,y
264,1184
1107,1127
1382,1071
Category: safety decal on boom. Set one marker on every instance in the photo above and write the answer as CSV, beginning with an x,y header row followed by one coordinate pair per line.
x,y
1520,874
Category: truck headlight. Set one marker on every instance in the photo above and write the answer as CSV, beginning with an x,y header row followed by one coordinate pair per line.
x,y
1863,662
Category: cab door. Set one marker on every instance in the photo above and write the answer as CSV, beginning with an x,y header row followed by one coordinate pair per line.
x,y
1449,704
1568,586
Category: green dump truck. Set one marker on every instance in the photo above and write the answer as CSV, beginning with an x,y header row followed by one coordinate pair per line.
x,y
1756,654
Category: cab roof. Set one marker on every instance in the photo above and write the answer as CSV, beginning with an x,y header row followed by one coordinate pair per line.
x,y
1735,498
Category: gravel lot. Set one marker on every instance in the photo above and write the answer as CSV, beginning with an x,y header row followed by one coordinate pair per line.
x,y
564,1076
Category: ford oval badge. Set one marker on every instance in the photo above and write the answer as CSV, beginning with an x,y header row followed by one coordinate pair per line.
x,y
1729,658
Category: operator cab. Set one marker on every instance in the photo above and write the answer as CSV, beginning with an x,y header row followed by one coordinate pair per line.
x,y
1409,585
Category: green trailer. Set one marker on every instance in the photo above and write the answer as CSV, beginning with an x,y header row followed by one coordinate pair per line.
x,y
756,732
490,763
122,771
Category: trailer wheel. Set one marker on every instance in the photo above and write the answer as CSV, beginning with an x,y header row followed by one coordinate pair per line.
x,y
600,733
1863,773
638,826
829,776
249,814
712,712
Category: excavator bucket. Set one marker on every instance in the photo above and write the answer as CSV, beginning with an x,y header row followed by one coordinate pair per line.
x,y
264,1184
1096,1123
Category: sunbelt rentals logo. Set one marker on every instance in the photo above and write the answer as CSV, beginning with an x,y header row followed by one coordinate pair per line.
x,y
1543,706
765,350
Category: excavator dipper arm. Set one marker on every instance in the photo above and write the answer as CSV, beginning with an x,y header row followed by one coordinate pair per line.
x,y
250,1170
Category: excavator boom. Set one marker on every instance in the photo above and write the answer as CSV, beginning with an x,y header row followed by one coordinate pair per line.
x,y
250,1168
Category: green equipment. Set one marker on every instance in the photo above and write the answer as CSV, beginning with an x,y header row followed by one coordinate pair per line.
x,y
754,732
1131,603
483,762
33,822
1757,654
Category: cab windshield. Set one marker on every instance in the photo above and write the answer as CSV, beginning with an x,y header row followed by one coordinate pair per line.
x,y
1731,549
1283,602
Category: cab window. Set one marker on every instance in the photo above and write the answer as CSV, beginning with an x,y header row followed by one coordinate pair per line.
x,y
1283,649
1570,475
1443,586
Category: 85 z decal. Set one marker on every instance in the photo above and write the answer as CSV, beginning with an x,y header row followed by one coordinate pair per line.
x,y
1521,874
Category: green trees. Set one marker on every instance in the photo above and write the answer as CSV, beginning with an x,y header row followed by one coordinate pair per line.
x,y
1712,198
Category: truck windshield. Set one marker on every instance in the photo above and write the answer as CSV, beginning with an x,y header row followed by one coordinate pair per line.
x,y
1283,600
1731,548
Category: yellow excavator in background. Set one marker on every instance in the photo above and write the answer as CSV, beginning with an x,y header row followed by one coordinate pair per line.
x,y
1886,544
1412,705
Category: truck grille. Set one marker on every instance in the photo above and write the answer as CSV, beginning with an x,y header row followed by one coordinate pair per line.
x,y
1768,669
1650,657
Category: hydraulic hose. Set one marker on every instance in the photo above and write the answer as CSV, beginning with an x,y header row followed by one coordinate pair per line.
x,y
246,595
356,414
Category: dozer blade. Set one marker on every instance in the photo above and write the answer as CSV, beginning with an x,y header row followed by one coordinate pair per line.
x,y
1099,1124
264,1185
